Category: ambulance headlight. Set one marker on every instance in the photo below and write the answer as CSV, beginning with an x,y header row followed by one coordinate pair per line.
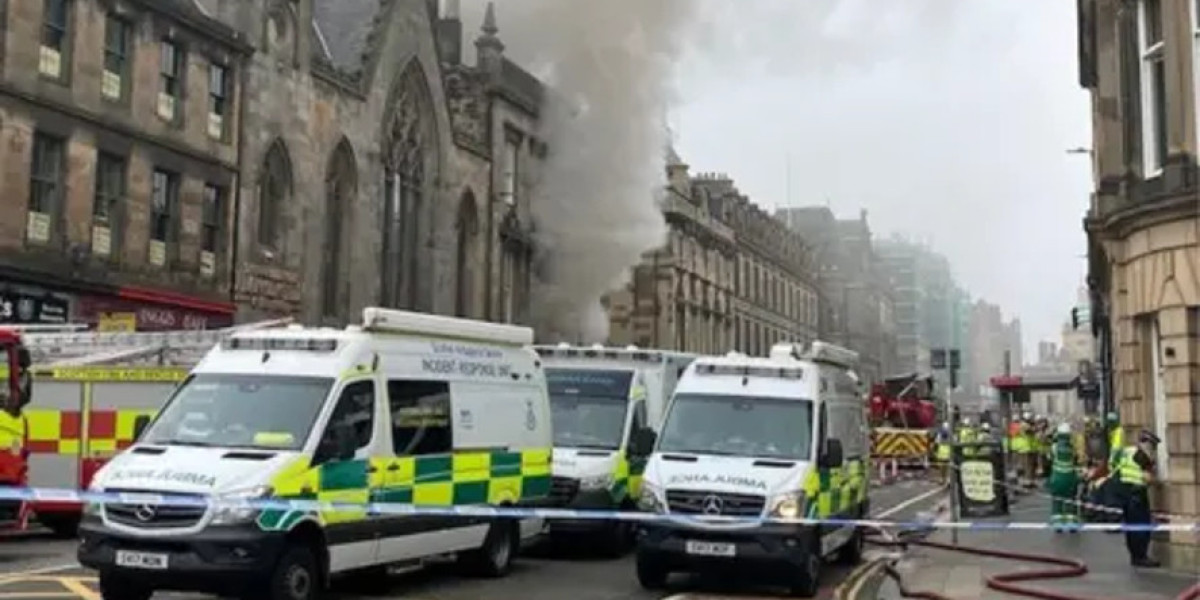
x,y
649,500
788,506
237,508
93,507
596,482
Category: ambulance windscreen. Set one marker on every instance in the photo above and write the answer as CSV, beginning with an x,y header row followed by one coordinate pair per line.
x,y
588,406
729,425
241,411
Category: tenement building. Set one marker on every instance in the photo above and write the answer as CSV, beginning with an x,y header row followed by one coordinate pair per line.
x,y
376,167
774,290
119,129
1139,60
680,296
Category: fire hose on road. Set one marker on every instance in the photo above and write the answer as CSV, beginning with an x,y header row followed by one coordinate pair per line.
x,y
1060,568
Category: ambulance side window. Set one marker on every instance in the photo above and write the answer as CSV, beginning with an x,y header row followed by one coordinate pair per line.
x,y
355,410
822,430
421,422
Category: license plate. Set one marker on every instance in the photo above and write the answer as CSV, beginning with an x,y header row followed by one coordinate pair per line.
x,y
141,560
711,549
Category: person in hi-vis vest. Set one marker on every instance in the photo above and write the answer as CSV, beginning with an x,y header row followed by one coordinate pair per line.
x,y
1135,471
1064,480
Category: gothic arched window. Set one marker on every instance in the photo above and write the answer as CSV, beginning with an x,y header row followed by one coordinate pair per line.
x,y
274,192
467,248
341,183
409,137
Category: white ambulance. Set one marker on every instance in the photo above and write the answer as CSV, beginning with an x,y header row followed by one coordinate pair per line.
x,y
406,408
781,437
601,397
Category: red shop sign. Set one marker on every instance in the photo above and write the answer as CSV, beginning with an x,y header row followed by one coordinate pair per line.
x,y
151,317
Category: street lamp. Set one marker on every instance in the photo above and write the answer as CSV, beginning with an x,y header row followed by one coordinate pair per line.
x,y
1079,150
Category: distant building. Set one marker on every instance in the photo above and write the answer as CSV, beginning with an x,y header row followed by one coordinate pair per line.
x,y
731,277
855,291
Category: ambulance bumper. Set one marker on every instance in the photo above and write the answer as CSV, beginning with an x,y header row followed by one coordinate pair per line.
x,y
591,500
764,549
217,560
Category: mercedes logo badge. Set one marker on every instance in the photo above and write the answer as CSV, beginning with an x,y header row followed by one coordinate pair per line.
x,y
712,505
145,513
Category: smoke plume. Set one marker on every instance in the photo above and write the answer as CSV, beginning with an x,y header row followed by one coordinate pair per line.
x,y
610,67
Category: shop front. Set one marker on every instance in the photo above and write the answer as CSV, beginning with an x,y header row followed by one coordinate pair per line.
x,y
108,308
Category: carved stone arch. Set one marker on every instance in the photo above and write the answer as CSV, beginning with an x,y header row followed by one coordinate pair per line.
x,y
275,189
341,190
468,251
411,158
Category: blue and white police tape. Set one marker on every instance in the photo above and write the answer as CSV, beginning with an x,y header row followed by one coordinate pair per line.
x,y
488,511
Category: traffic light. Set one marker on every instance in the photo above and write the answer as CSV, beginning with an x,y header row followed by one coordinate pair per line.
x,y
1074,318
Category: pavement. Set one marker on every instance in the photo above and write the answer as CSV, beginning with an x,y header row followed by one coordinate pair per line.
x,y
35,566
962,576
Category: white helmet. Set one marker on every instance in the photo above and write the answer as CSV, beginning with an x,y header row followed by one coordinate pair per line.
x,y
1064,428
985,426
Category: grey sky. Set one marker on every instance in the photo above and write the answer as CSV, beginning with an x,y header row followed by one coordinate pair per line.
x,y
947,120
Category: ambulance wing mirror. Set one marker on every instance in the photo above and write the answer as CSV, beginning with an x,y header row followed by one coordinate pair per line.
x,y
832,457
642,442
139,426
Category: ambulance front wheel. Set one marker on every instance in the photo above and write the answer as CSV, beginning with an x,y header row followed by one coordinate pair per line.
x,y
651,573
114,586
806,581
297,576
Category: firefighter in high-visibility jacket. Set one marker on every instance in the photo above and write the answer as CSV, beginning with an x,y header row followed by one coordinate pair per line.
x,y
966,435
1116,439
1064,480
1135,470
943,439
1022,447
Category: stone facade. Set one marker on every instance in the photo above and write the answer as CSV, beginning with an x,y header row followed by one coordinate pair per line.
x,y
378,169
680,297
119,156
855,292
1138,59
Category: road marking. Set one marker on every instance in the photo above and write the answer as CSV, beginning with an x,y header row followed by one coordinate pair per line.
x,y
39,571
81,591
907,503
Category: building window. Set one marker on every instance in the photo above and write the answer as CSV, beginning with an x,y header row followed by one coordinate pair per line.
x,y
218,100
341,182
54,57
116,58
164,207
273,192
1154,87
508,184
170,73
212,213
47,186
106,201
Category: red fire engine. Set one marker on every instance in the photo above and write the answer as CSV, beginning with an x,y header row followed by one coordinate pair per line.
x,y
16,392
903,416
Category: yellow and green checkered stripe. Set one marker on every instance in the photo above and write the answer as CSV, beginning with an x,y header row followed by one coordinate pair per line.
x,y
832,492
627,479
462,478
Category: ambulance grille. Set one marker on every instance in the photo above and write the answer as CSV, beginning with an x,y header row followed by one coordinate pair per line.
x,y
563,490
690,502
154,517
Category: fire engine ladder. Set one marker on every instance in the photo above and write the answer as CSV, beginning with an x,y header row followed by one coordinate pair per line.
x,y
161,348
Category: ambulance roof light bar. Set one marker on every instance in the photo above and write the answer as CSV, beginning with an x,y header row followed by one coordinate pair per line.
x,y
401,321
745,370
598,351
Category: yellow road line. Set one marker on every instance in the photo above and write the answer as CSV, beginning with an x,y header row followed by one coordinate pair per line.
x,y
43,579
81,591
23,595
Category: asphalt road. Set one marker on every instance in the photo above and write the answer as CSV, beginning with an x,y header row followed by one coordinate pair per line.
x,y
36,566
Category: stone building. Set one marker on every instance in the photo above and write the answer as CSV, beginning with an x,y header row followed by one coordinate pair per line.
x,y
775,274
854,290
680,297
1139,61
119,152
378,168
731,276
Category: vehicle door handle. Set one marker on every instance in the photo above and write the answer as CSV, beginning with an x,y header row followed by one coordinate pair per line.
x,y
372,469
393,467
